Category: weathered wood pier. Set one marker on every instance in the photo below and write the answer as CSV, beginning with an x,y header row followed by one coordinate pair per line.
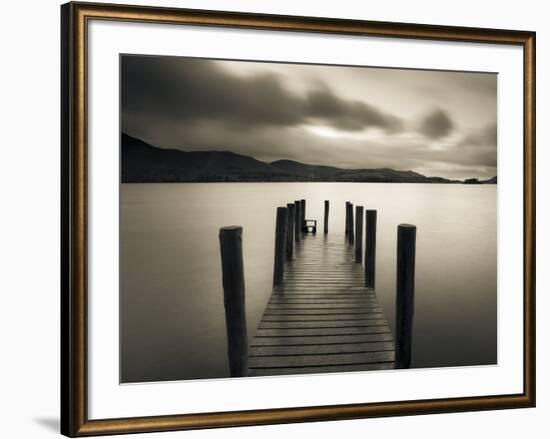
x,y
321,318
323,314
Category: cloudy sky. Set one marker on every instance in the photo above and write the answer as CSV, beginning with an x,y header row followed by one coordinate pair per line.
x,y
435,123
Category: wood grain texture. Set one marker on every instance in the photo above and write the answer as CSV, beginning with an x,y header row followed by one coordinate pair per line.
x,y
290,231
231,250
325,217
322,318
370,248
359,234
280,244
404,302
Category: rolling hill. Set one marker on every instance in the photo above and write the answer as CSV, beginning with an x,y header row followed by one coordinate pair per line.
x,y
144,163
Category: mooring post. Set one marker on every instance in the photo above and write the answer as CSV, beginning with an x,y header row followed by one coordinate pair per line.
x,y
370,248
325,223
358,233
350,223
280,244
297,220
233,298
303,214
347,217
404,305
290,231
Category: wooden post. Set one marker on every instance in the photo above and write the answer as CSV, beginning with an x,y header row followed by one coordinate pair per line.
x,y
404,305
233,298
297,221
280,244
303,214
347,217
325,223
370,248
290,231
358,234
350,223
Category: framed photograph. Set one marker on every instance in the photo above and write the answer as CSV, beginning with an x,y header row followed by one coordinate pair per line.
x,y
271,219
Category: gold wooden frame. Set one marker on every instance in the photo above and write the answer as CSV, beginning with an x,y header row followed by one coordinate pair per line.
x,y
74,20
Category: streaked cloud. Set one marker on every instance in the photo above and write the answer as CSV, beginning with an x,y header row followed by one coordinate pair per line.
x,y
438,123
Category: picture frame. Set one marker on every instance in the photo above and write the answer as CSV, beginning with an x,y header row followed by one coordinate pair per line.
x,y
75,224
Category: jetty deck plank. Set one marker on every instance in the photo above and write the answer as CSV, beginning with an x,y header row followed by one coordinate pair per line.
x,y
321,318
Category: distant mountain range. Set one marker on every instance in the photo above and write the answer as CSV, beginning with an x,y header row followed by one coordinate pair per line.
x,y
144,163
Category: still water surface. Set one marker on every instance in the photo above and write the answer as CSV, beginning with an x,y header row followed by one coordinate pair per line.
x,y
172,314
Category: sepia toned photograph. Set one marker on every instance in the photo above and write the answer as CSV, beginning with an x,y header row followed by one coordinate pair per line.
x,y
285,219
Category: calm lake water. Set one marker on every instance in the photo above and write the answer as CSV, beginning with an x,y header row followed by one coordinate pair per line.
x,y
172,313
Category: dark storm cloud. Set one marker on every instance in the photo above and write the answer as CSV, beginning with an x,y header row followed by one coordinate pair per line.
x,y
315,114
184,91
348,115
437,124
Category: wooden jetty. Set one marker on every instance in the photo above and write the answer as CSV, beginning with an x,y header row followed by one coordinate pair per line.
x,y
321,318
323,314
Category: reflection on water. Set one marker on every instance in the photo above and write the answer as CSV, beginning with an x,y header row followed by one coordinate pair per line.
x,y
172,315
